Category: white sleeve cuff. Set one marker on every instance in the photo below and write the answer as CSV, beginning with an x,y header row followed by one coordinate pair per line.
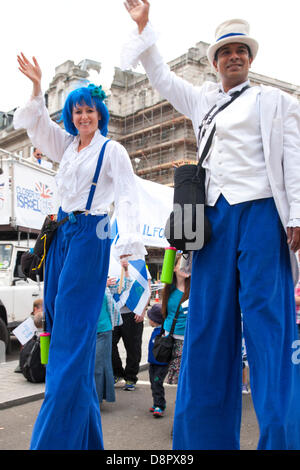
x,y
25,117
294,223
130,244
136,45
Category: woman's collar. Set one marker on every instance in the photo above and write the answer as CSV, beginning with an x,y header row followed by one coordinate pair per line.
x,y
97,136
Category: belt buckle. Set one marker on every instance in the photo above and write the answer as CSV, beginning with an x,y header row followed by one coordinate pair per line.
x,y
72,217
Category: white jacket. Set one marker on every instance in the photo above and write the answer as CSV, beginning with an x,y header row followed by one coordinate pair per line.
x,y
279,121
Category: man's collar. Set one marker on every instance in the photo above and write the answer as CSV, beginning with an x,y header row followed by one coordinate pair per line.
x,y
232,90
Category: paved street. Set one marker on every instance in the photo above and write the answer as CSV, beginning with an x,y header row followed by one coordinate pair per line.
x,y
127,424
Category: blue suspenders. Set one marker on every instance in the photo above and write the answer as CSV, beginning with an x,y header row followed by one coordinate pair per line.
x,y
72,215
95,179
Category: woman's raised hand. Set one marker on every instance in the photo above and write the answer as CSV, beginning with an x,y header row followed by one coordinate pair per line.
x,y
139,12
32,71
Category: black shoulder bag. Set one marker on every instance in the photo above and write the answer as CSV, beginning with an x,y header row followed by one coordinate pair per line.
x,y
32,262
189,192
163,345
30,361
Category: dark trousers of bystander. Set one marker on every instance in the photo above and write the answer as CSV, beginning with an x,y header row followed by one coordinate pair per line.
x,y
157,375
131,333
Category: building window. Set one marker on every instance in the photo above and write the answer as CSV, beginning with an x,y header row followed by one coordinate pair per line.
x,y
142,98
60,99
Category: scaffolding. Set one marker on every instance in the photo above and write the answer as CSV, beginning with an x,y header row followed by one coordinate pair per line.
x,y
156,137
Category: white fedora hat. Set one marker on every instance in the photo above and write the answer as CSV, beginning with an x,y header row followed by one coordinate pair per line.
x,y
232,31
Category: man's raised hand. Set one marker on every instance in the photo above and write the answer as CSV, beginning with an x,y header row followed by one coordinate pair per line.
x,y
139,12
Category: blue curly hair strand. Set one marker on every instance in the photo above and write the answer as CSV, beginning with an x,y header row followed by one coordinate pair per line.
x,y
91,96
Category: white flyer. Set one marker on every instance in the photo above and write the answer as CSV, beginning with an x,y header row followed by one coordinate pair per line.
x,y
25,331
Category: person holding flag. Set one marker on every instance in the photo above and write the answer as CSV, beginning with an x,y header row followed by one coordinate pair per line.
x,y
132,304
109,318
131,329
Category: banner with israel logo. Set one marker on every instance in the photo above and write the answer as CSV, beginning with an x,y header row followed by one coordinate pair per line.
x,y
4,199
35,195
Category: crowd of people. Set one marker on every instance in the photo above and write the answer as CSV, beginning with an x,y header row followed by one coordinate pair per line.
x,y
252,170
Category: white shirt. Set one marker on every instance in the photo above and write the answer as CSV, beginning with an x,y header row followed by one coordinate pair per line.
x,y
116,180
194,102
235,167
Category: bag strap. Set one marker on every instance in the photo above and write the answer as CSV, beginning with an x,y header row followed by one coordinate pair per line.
x,y
174,320
208,120
95,179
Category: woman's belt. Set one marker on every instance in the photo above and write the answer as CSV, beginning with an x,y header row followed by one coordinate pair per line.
x,y
71,217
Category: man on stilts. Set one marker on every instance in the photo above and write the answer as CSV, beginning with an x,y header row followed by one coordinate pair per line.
x,y
253,204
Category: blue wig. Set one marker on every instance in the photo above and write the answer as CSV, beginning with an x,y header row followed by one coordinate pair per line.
x,y
91,96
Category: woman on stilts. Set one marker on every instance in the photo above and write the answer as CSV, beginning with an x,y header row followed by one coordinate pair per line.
x,y
78,259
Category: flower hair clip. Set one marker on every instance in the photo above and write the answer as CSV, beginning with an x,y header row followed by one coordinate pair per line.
x,y
96,91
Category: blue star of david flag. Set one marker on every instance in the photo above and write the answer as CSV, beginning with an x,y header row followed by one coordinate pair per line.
x,y
135,298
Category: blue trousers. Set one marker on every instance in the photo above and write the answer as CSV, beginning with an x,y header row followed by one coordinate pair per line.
x,y
104,376
75,281
244,268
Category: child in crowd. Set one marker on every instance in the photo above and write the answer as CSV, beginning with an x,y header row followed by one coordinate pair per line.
x,y
157,370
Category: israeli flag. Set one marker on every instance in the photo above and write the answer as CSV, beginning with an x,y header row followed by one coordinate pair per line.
x,y
135,298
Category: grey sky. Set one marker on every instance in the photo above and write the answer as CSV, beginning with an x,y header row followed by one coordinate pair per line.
x,y
57,30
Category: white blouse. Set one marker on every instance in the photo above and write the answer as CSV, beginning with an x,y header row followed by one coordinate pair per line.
x,y
116,181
